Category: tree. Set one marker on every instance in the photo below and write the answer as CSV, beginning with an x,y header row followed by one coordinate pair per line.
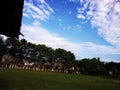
x,y
22,49
2,47
113,67
65,57
92,66
12,45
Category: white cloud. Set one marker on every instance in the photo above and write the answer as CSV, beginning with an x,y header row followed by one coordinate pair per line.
x,y
39,10
81,0
105,15
102,14
73,0
80,16
39,35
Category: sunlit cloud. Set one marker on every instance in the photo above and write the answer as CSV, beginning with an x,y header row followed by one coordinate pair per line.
x,y
79,16
73,0
40,11
105,15
39,35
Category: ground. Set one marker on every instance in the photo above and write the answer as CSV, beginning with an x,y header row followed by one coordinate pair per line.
x,y
16,79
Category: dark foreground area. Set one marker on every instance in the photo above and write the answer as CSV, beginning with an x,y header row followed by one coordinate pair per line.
x,y
15,79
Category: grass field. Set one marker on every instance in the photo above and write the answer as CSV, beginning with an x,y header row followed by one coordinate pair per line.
x,y
15,79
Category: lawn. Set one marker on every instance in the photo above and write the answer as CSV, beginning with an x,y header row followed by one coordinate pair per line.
x,y
15,79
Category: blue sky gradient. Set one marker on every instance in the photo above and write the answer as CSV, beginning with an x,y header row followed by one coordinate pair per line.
x,y
88,28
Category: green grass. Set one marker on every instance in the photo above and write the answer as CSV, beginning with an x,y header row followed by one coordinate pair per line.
x,y
15,79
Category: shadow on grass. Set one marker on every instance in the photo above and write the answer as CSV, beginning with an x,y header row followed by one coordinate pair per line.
x,y
23,88
3,84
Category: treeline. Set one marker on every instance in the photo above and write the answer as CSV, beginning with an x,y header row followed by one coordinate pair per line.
x,y
43,55
96,67
36,53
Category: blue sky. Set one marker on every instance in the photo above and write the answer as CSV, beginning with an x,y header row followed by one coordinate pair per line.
x,y
88,28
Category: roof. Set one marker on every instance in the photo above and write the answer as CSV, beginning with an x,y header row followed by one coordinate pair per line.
x,y
11,17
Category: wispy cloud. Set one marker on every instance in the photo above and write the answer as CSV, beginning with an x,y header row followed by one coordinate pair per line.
x,y
105,15
40,11
43,36
80,16
39,35
73,0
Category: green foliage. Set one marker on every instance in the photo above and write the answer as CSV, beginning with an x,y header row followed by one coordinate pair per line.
x,y
46,55
92,66
65,56
2,47
113,67
36,53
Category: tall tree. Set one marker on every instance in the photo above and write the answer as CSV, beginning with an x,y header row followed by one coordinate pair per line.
x,y
2,47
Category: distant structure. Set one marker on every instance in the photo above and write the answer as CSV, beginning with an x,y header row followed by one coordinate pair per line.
x,y
11,17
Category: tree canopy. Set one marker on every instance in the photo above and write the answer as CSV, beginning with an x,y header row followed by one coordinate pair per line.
x,y
46,55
